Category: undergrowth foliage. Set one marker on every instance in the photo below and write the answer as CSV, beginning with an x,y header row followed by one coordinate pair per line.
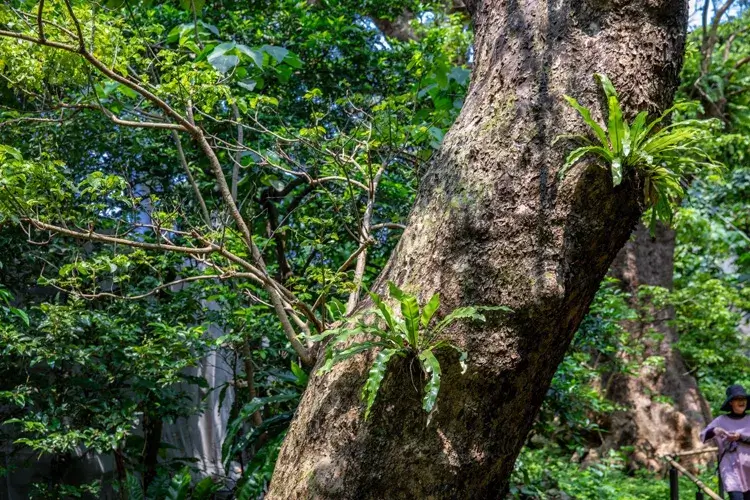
x,y
412,334
662,155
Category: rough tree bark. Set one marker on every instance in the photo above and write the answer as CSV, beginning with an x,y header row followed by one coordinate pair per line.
x,y
654,428
491,225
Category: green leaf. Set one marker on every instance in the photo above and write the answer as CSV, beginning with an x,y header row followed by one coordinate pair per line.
x,y
462,355
431,366
384,310
458,314
210,27
127,92
180,486
615,126
21,314
578,153
606,84
375,377
586,115
134,487
345,333
616,172
255,55
395,291
247,84
410,312
243,416
12,152
495,308
429,310
298,372
339,356
189,5
680,106
222,62
293,60
271,426
205,488
278,53
637,130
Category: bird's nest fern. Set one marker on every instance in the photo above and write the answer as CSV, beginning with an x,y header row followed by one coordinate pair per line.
x,y
662,155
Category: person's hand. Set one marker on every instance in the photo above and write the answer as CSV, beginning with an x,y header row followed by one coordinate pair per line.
x,y
733,436
719,431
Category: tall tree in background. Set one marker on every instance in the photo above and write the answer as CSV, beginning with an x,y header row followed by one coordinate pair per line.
x,y
491,226
662,409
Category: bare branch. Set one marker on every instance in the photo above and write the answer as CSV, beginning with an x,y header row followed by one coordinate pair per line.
x,y
388,225
129,123
741,63
39,22
354,255
103,238
182,281
238,155
709,34
47,22
191,180
730,41
359,271
47,43
79,31
33,119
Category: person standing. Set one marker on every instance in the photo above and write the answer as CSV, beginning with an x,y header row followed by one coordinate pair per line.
x,y
731,432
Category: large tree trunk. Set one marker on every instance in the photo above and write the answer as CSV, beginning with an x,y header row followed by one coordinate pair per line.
x,y
651,426
491,225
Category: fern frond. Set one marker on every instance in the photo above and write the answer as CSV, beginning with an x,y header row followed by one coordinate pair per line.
x,y
615,126
455,315
576,155
337,357
431,367
586,115
410,312
375,377
429,310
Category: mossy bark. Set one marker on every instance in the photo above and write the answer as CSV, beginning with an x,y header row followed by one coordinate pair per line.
x,y
492,225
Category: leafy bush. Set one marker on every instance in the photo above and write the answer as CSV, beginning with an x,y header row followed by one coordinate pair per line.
x,y
408,335
662,155
549,473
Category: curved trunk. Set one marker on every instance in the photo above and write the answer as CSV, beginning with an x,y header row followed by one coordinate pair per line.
x,y
652,425
492,225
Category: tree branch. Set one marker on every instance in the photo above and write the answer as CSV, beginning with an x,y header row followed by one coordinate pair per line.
x,y
388,225
238,154
709,37
189,279
359,271
103,238
39,22
191,180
